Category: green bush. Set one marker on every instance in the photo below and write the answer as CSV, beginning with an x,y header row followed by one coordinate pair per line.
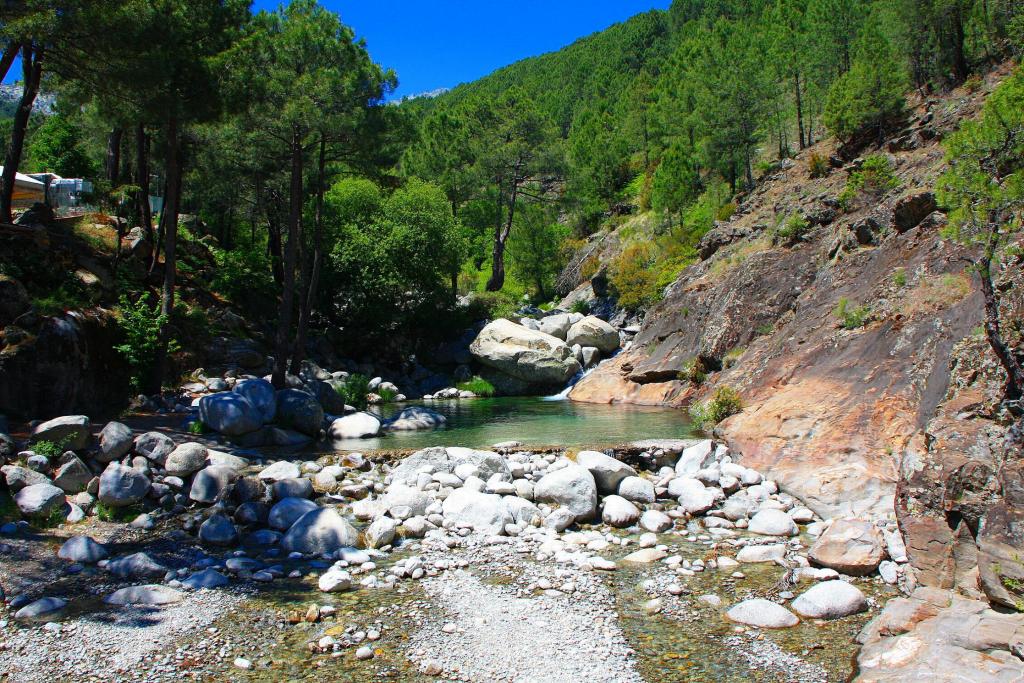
x,y
874,178
794,229
580,306
725,212
107,513
723,403
818,166
51,449
478,385
899,277
387,394
354,391
141,325
633,276
693,371
243,275
852,318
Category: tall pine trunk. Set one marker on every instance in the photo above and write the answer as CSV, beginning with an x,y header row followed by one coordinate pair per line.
x,y
290,255
32,68
501,233
299,352
113,159
169,220
799,112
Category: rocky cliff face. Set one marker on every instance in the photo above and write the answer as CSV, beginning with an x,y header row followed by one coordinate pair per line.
x,y
832,402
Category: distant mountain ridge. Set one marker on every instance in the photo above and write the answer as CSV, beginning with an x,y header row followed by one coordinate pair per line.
x,y
10,93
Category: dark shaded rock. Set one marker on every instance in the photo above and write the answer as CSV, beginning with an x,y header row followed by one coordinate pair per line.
x,y
13,300
70,431
911,209
718,237
300,410
154,446
115,442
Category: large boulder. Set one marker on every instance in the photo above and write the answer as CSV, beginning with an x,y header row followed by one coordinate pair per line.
x,y
618,512
440,459
484,512
694,498
772,522
18,477
913,208
69,431
415,418
218,530
153,446
261,394
287,511
762,614
115,442
230,413
39,500
592,331
299,410
354,426
73,476
529,356
82,549
608,472
319,532
212,484
556,325
850,546
122,486
573,487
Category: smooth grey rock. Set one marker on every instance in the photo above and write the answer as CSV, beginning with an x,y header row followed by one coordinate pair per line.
x,y
153,446
440,459
280,470
212,484
115,442
218,530
18,477
186,459
288,511
42,610
319,531
637,490
381,532
354,426
572,487
608,472
299,410
762,614
655,521
761,553
830,600
207,578
527,355
560,519
292,488
260,393
771,522
73,476
694,498
592,331
229,413
83,550
39,499
484,512
152,595
71,431
136,565
695,458
415,418
618,512
122,486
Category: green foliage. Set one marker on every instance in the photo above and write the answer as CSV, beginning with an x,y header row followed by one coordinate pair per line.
x,y
57,146
725,212
120,515
693,371
732,357
852,318
478,385
580,306
632,276
196,427
242,275
874,178
354,390
794,229
723,403
140,326
677,182
870,96
818,165
535,252
899,277
387,394
51,449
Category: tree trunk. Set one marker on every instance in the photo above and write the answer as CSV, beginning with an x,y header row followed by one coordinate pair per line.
x,y
1014,372
142,169
32,68
113,160
314,277
497,279
274,246
169,220
284,320
960,67
799,112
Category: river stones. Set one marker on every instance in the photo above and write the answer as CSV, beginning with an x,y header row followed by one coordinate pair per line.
x,y
299,410
230,413
415,418
134,566
260,393
694,498
594,332
830,600
152,595
334,581
185,460
695,458
18,477
850,546
572,487
212,484
218,530
42,610
772,522
637,490
280,470
655,521
153,446
608,472
762,614
318,532
381,532
73,476
207,578
288,511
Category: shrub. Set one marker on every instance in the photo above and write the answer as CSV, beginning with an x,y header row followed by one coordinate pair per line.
x,y
106,513
765,328
589,267
51,449
632,276
353,392
693,371
874,178
141,326
387,394
792,230
243,275
725,212
818,166
730,359
899,277
478,385
196,427
580,306
723,403
852,318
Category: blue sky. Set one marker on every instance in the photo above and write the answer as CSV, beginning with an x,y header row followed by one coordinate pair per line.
x,y
441,43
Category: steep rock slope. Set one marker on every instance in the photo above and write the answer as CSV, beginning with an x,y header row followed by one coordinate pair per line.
x,y
828,410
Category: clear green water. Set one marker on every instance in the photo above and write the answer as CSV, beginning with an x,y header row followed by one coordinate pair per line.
x,y
480,422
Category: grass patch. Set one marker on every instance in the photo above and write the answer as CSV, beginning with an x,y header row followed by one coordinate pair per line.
x,y
818,165
107,513
723,403
693,371
387,394
792,230
899,277
478,385
580,306
936,293
354,391
874,179
730,359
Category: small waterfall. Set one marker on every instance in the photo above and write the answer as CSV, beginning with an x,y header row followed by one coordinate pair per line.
x,y
564,393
